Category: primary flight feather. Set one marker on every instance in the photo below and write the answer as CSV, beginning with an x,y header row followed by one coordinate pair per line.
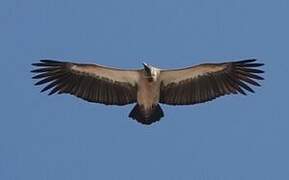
x,y
149,86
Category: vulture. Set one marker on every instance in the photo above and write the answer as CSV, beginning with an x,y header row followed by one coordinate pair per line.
x,y
149,86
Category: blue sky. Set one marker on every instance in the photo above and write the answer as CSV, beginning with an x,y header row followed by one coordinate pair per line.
x,y
62,137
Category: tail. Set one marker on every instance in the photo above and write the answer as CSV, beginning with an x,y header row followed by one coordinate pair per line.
x,y
146,116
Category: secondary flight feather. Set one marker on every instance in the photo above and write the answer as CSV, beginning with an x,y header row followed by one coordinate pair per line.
x,y
149,86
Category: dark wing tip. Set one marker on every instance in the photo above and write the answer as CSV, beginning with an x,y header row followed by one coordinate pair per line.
x,y
37,64
248,63
47,71
47,62
245,61
245,72
50,61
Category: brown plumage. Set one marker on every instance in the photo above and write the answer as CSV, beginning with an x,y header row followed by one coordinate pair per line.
x,y
205,82
149,86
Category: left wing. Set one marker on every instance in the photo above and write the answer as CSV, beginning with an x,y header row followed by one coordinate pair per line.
x,y
206,82
91,82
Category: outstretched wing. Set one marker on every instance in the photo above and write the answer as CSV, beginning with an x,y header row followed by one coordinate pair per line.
x,y
206,82
90,82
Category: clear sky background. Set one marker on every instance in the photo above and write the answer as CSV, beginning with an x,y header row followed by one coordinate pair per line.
x,y
64,138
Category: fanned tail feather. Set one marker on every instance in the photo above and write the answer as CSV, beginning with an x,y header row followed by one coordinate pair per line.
x,y
146,116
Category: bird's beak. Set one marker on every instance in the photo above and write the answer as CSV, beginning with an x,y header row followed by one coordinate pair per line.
x,y
146,67
145,64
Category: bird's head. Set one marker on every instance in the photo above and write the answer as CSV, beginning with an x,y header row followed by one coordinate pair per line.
x,y
150,72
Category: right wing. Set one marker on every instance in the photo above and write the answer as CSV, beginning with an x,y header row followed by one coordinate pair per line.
x,y
206,82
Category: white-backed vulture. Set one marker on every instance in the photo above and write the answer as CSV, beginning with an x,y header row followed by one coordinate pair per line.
x,y
149,86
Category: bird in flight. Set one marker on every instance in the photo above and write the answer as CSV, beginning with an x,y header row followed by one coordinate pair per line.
x,y
150,86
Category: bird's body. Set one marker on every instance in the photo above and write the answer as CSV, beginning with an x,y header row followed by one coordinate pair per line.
x,y
148,93
148,96
149,86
